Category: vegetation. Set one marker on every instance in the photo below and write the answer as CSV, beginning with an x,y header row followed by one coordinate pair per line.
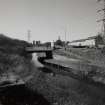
x,y
12,46
14,60
12,53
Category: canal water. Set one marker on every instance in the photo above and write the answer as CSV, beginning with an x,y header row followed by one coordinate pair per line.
x,y
94,95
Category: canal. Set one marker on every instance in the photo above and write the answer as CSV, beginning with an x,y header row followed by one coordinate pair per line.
x,y
90,94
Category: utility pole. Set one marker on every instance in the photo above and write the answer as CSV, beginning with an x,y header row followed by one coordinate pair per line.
x,y
65,36
29,35
103,20
65,40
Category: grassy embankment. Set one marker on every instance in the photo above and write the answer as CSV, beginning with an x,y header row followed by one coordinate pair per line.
x,y
12,56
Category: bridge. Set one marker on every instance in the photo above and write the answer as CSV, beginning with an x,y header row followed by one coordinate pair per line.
x,y
47,50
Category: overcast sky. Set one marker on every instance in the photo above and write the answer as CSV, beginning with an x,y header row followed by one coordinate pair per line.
x,y
48,19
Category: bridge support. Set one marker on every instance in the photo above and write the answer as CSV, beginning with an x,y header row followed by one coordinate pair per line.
x,y
49,55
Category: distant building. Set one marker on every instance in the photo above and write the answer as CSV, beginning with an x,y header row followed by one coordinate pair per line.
x,y
34,43
38,43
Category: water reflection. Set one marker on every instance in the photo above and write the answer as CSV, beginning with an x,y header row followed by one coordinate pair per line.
x,y
35,61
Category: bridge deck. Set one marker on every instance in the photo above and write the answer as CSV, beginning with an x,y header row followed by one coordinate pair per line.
x,y
38,49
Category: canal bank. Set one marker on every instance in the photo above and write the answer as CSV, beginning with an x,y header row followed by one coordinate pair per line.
x,y
64,90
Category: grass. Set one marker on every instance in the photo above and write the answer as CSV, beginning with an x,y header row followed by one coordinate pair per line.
x,y
62,90
13,57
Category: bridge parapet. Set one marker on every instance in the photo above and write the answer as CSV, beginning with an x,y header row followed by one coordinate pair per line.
x,y
38,49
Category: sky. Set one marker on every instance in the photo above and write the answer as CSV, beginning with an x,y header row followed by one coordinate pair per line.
x,y
48,19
